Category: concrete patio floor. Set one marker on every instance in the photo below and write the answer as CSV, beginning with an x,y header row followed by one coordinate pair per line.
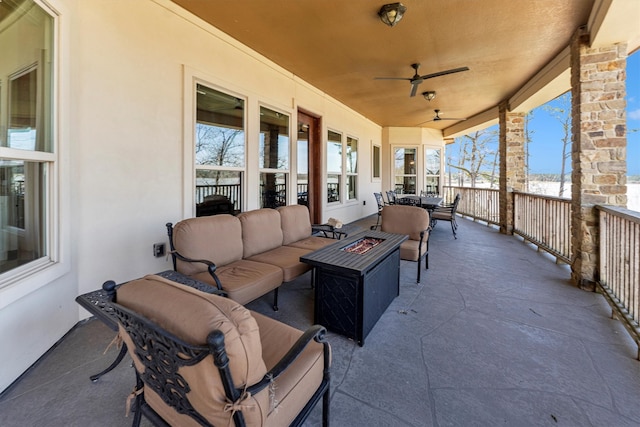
x,y
494,335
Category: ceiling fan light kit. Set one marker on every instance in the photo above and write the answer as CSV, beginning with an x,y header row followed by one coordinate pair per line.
x,y
392,13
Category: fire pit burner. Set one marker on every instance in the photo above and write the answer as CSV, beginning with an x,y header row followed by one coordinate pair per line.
x,y
362,246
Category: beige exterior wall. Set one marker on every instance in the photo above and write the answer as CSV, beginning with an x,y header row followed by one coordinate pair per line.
x,y
408,137
124,162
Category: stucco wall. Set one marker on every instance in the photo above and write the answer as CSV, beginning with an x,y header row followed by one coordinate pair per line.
x,y
121,80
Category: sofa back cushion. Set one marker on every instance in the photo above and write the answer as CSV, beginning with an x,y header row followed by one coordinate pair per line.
x,y
191,315
295,223
216,238
261,231
402,219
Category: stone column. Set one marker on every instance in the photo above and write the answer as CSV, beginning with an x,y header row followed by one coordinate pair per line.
x,y
513,174
599,173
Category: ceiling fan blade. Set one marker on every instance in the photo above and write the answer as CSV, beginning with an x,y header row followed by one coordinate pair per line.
x,y
444,73
392,78
414,88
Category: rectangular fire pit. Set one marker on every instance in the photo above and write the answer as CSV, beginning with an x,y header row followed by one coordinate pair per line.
x,y
355,281
363,245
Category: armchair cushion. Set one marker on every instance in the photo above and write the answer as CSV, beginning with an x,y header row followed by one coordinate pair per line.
x,y
192,315
409,220
295,386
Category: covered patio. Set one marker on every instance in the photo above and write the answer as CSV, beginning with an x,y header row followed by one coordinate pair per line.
x,y
494,335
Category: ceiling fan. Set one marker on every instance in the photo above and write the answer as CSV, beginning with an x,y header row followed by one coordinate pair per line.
x,y
437,118
417,78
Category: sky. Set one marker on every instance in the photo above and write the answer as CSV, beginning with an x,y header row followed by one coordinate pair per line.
x,y
545,149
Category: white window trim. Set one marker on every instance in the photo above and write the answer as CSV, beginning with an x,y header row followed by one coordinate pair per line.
x,y
191,78
24,280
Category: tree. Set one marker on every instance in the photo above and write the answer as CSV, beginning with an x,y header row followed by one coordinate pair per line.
x,y
477,156
561,111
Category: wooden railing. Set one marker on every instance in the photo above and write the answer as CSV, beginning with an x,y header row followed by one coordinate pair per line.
x,y
482,204
619,264
544,221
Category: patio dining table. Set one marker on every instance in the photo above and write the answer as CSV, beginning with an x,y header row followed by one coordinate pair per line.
x,y
426,202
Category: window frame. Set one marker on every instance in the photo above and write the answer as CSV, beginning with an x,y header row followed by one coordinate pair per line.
x,y
415,175
349,174
53,264
338,173
192,80
425,176
276,171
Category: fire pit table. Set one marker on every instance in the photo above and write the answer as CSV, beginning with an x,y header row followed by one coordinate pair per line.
x,y
355,281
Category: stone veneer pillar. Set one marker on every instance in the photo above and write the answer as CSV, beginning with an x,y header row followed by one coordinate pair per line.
x,y
598,147
513,174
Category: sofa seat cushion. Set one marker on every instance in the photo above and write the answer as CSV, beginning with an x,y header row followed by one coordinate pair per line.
x,y
298,383
410,249
191,315
245,280
287,258
312,243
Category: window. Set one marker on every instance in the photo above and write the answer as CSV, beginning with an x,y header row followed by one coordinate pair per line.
x,y
432,158
352,168
334,166
27,157
404,170
274,158
219,151
376,166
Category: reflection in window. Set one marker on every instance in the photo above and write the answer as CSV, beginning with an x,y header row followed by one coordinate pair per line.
x,y
273,157
334,166
219,151
22,212
352,168
218,191
404,170
432,170
273,188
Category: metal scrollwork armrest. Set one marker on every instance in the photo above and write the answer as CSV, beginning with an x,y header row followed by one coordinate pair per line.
x,y
211,266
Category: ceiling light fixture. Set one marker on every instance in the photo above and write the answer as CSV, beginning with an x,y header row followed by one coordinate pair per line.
x,y
392,13
429,95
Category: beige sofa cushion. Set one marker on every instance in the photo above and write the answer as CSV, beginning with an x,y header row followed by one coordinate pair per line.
x,y
216,238
296,229
245,280
191,315
261,231
408,220
296,385
287,258
295,223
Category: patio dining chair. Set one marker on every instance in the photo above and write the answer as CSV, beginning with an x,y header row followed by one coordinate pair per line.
x,y
448,213
381,204
391,197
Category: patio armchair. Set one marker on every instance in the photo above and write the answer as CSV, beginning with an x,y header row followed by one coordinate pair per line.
x,y
202,359
448,213
414,222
